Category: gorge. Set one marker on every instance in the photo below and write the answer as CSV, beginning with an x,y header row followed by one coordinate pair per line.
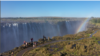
x,y
13,34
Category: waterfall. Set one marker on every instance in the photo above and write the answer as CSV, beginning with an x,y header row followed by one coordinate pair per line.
x,y
13,34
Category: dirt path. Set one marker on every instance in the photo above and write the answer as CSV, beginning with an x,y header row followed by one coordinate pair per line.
x,y
22,51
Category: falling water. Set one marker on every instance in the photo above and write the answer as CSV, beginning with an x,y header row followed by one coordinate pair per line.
x,y
13,34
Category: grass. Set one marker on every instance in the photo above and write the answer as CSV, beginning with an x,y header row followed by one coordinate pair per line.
x,y
85,47
79,50
79,35
97,24
97,37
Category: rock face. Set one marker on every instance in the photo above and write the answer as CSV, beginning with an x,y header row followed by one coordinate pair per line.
x,y
16,33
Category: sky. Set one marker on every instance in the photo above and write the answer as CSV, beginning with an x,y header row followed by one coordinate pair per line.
x,y
50,8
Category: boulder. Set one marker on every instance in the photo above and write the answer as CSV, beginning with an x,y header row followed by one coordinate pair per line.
x,y
85,47
74,45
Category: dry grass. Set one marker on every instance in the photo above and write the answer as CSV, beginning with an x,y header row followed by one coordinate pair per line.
x,y
97,34
85,47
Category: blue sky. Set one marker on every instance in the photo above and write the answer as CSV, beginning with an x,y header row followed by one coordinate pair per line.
x,y
50,8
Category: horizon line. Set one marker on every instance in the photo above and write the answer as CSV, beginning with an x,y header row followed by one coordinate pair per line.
x,y
46,16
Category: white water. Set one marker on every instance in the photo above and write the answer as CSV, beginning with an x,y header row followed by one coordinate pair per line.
x,y
13,34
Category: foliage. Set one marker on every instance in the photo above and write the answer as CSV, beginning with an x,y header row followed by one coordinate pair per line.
x,y
95,20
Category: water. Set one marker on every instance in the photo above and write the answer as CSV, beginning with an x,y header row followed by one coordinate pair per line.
x,y
13,34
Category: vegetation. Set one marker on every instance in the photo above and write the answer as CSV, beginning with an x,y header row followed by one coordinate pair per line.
x,y
86,46
95,20
39,19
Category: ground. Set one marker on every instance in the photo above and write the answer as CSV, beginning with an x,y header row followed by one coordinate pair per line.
x,y
84,47
88,46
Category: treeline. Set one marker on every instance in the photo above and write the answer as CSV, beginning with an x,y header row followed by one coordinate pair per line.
x,y
96,20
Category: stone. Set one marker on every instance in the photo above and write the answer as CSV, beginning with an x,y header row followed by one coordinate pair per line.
x,y
74,45
85,47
